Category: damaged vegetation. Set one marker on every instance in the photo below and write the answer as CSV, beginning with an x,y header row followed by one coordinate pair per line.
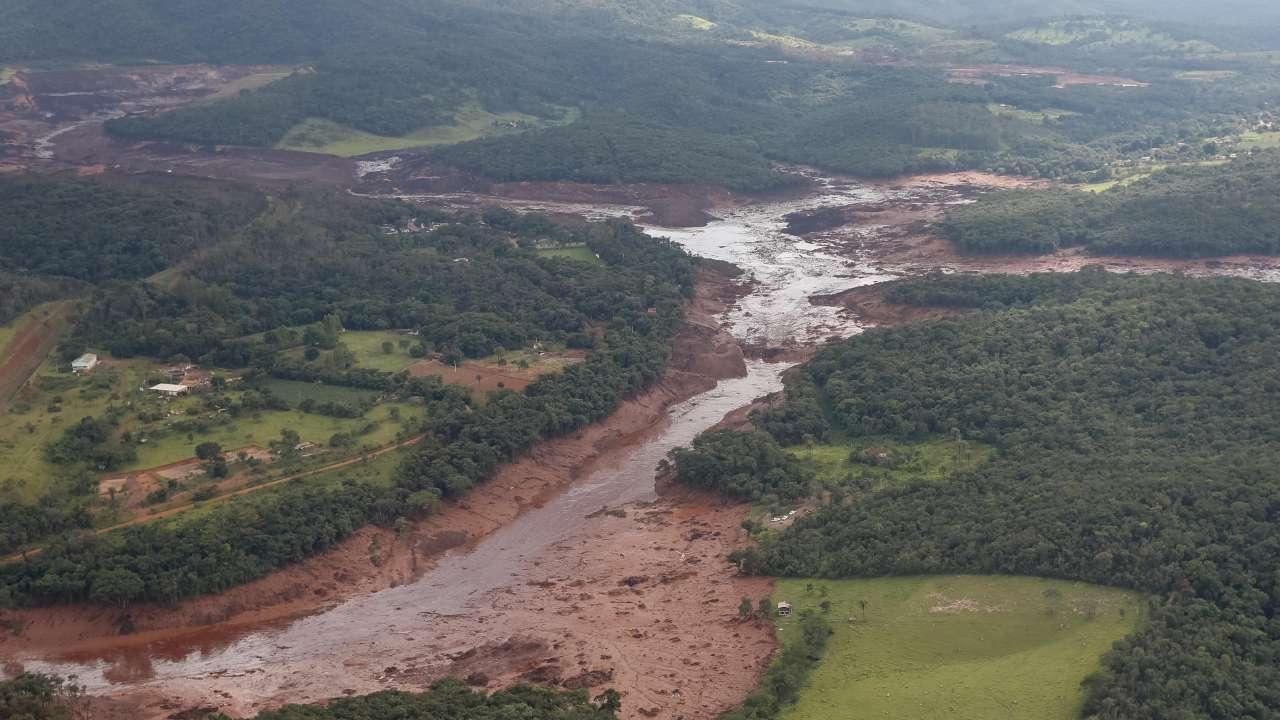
x,y
1128,416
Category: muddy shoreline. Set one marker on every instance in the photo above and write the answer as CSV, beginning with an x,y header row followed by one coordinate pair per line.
x,y
703,354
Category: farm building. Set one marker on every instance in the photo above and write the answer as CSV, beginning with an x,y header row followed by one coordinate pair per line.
x,y
84,363
784,609
170,389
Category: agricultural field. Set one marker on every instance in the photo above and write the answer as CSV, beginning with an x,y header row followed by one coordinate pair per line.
x,y
377,427
255,81
1259,140
1037,117
168,429
888,463
295,391
693,22
42,410
367,345
581,253
1107,33
514,370
470,123
957,647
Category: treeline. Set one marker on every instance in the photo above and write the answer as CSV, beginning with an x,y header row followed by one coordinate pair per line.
x,y
711,107
96,230
19,293
452,700
609,149
39,697
743,466
788,673
1133,420
1181,212
466,287
286,273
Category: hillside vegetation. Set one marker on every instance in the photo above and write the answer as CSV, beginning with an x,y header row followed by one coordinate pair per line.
x,y
718,99
1132,421
1181,212
270,303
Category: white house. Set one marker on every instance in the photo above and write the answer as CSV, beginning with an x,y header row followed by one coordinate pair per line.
x,y
170,389
84,363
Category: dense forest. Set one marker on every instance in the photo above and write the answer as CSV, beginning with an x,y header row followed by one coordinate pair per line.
x,y
452,700
612,150
662,102
1133,419
1181,212
39,697
467,287
59,233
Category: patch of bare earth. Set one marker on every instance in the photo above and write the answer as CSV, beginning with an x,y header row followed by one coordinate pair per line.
x,y
644,603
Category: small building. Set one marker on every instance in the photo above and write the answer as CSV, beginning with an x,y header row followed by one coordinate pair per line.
x,y
85,363
784,609
169,389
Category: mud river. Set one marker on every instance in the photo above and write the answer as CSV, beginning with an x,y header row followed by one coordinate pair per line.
x,y
641,598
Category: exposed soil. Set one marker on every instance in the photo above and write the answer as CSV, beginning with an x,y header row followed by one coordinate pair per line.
x,y
27,349
409,174
484,377
374,559
52,120
868,306
976,74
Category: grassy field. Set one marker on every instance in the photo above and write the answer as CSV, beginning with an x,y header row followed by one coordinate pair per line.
x,y
294,392
957,647
1107,33
693,22
6,74
379,471
580,253
41,412
1038,117
367,346
892,463
1206,75
1259,140
470,123
248,82
265,427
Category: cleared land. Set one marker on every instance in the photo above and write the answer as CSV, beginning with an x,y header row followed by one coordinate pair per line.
x,y
888,463
367,346
580,253
470,123
254,81
957,647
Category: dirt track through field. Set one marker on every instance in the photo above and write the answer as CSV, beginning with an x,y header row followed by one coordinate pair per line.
x,y
27,350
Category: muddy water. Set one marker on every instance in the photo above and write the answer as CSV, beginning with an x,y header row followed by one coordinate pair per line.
x,y
349,647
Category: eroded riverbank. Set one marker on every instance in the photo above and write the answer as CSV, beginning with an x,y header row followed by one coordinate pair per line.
x,y
528,580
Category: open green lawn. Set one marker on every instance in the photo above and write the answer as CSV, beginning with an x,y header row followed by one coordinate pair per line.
x,y
40,413
295,391
248,82
581,253
693,22
893,463
265,427
379,471
367,346
1038,117
957,647
470,123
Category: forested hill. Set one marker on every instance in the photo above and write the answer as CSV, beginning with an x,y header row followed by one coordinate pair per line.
x,y
1134,420
314,265
1182,212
